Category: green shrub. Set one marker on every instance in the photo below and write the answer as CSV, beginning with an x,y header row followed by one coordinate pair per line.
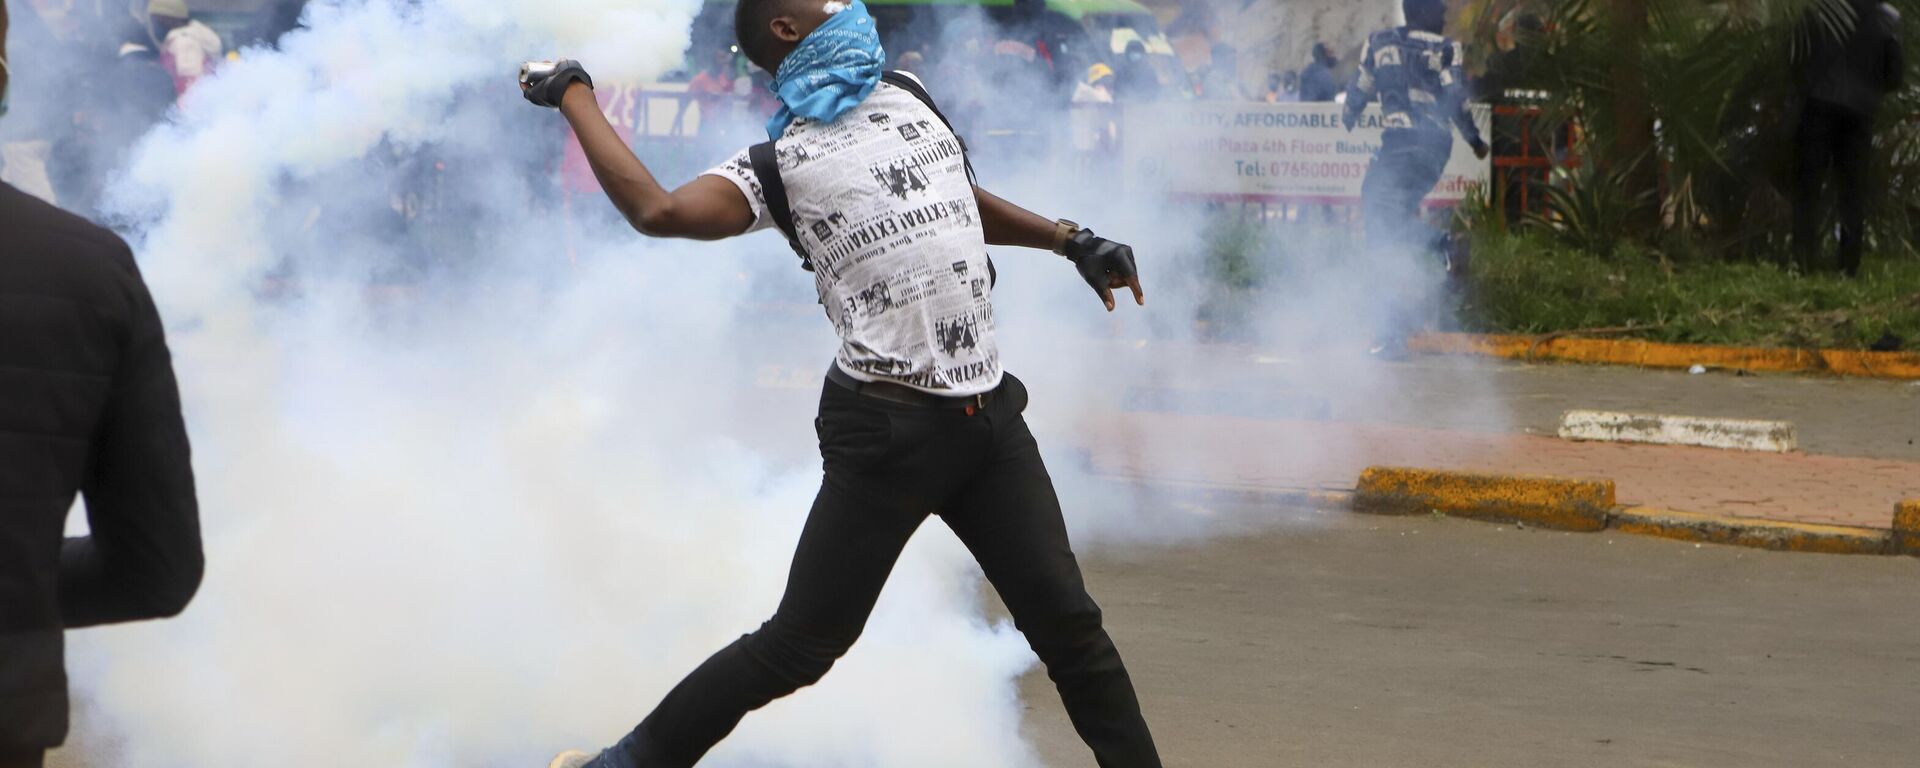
x,y
1530,283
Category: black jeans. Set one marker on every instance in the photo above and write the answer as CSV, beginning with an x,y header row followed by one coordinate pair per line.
x,y
1399,241
1837,138
1403,171
888,467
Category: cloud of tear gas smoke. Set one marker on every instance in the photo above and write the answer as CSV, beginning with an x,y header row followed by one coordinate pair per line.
x,y
479,484
466,504
1265,312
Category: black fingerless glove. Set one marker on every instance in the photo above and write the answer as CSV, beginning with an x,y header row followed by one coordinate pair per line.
x,y
546,90
1098,259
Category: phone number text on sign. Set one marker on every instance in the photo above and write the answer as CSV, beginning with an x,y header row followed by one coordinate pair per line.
x,y
1284,152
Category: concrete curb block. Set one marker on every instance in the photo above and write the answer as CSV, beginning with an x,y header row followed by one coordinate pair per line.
x,y
1669,429
1653,354
1906,527
1548,502
1751,532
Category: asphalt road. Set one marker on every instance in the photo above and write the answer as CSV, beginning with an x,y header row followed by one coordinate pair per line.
x,y
1379,642
1836,416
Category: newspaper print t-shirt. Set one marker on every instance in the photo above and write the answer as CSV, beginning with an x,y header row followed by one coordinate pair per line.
x,y
883,207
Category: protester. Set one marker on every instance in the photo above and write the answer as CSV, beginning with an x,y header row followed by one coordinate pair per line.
x,y
715,77
1417,76
1135,78
911,61
1097,88
1842,80
1220,79
88,406
916,416
124,100
1514,49
1505,83
188,49
1282,87
1056,41
1317,82
1094,129
712,89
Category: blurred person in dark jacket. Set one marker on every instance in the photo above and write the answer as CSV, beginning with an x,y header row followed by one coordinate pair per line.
x,y
1220,80
1842,78
127,94
88,406
1135,79
1316,81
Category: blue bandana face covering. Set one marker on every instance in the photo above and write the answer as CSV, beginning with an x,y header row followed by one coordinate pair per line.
x,y
832,71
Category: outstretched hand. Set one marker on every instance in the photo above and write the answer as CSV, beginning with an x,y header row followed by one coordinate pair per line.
x,y
1105,265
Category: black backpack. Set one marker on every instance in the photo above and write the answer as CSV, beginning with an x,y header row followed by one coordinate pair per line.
x,y
767,170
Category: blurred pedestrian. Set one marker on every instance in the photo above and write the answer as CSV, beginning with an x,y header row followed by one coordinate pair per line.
x,y
88,406
1220,80
1135,78
1094,128
1097,88
188,49
1416,74
712,89
1842,79
911,61
122,102
1316,81
1282,87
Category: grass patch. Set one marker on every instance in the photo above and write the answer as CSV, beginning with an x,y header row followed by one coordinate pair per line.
x,y
1529,284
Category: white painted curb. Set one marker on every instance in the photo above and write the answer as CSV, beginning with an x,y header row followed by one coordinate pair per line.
x,y
1666,429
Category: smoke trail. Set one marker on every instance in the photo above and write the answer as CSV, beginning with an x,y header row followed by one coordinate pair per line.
x,y
498,515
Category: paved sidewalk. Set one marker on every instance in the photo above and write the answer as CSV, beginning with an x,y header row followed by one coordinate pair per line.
x,y
1835,416
1326,455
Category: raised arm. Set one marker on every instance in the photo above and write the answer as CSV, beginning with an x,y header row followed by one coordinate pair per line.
x,y
1459,102
707,208
1104,264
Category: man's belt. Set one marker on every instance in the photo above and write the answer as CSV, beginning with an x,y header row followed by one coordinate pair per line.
x,y
905,395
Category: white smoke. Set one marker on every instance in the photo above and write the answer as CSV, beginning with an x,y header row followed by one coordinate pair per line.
x,y
500,514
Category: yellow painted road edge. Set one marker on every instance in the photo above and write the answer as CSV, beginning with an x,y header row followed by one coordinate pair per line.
x,y
1655,354
1561,504
1548,502
1752,532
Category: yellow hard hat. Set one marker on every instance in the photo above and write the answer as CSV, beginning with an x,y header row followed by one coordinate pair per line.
x,y
1098,72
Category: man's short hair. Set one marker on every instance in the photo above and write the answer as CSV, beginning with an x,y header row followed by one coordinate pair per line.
x,y
751,26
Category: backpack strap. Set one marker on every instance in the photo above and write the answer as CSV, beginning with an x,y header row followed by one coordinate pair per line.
x,y
905,82
766,167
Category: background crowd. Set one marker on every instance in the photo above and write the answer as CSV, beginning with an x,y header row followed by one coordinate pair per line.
x,y
1733,132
